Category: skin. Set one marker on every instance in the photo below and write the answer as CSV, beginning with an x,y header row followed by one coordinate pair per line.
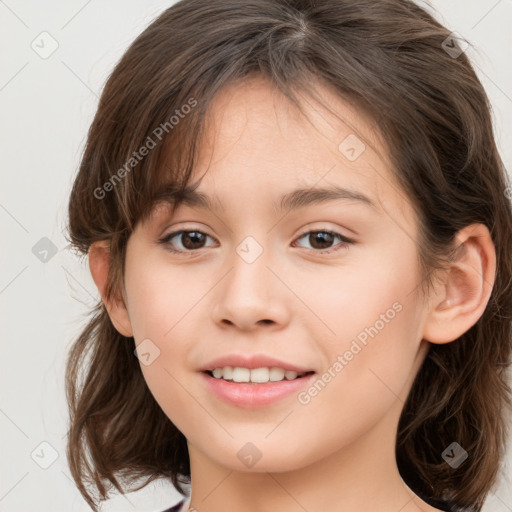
x,y
337,451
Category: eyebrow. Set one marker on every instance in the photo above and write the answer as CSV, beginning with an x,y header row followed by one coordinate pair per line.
x,y
306,196
293,200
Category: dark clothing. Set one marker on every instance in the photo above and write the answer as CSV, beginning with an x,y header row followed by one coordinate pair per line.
x,y
176,507
438,504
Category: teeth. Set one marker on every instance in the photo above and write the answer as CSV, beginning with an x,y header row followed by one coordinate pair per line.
x,y
227,372
241,374
259,375
217,373
276,374
256,375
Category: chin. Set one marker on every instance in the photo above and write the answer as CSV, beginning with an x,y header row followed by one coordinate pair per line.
x,y
261,457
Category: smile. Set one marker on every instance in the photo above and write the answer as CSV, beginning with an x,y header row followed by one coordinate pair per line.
x,y
255,375
266,387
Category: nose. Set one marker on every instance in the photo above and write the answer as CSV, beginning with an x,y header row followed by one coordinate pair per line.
x,y
250,296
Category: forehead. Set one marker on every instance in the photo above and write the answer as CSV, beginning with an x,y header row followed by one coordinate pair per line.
x,y
259,147
255,111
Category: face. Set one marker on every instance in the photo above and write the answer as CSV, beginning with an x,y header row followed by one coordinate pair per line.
x,y
326,287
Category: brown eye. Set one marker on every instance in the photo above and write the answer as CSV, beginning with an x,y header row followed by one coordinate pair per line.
x,y
321,241
184,241
188,241
192,239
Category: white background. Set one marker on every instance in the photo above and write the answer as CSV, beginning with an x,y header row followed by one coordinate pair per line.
x,y
47,106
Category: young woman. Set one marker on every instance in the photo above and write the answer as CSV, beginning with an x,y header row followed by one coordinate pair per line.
x,y
296,217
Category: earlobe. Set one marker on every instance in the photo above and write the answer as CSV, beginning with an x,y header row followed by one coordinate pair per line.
x,y
99,264
462,298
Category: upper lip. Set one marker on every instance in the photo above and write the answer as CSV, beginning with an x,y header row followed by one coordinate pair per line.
x,y
251,362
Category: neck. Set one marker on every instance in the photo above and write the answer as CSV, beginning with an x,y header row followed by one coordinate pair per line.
x,y
362,476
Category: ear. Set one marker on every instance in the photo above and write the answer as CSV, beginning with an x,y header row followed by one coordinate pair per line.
x,y
99,263
464,293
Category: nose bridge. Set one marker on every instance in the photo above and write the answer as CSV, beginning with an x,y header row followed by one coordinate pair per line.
x,y
250,292
249,279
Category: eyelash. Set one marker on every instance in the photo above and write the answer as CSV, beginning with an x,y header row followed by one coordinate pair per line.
x,y
345,242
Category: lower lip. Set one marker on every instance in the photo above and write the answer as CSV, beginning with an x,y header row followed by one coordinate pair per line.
x,y
250,395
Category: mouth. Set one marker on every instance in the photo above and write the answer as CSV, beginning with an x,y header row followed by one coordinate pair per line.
x,y
263,375
254,388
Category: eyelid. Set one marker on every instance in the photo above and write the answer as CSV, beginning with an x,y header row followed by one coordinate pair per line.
x,y
344,240
165,239
324,229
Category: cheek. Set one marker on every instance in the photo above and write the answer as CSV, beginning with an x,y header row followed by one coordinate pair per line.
x,y
368,297
363,383
161,320
374,325
160,297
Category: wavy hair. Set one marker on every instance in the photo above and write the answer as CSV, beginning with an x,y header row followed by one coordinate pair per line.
x,y
389,59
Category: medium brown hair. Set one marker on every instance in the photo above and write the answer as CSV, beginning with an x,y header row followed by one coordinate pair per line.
x,y
387,58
